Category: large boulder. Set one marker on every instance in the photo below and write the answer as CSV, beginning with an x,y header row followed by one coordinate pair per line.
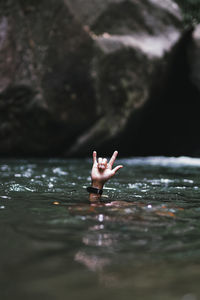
x,y
135,41
75,72
45,85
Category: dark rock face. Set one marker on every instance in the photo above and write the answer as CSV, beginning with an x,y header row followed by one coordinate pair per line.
x,y
194,58
193,103
134,43
75,74
46,90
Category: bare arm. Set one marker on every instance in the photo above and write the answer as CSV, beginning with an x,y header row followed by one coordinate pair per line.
x,y
101,172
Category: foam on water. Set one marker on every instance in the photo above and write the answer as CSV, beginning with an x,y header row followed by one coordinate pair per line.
x,y
163,161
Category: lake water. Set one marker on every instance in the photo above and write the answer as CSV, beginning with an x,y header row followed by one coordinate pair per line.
x,y
141,242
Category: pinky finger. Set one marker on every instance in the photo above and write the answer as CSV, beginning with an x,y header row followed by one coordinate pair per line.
x,y
117,169
94,157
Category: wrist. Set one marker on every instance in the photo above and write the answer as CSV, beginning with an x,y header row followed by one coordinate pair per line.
x,y
97,184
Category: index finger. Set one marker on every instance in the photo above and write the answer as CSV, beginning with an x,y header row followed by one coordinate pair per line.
x,y
112,160
94,157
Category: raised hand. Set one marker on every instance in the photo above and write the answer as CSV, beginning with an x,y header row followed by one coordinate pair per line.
x,y
102,170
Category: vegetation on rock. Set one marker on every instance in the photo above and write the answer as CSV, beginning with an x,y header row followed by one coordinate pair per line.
x,y
191,11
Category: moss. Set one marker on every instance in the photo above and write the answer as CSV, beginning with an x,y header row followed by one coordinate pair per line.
x,y
190,10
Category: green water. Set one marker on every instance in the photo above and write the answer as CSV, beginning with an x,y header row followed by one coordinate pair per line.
x,y
141,242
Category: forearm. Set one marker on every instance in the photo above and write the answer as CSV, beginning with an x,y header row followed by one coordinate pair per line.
x,y
96,184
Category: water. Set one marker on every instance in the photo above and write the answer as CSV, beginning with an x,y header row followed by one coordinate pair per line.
x,y
141,242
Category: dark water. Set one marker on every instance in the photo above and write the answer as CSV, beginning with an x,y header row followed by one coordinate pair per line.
x,y
141,242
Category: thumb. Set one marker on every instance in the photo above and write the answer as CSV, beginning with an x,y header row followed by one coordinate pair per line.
x,y
117,169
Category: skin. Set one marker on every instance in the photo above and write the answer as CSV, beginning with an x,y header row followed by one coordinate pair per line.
x,y
102,171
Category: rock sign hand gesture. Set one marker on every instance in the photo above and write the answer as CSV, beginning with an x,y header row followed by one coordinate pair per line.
x,y
102,170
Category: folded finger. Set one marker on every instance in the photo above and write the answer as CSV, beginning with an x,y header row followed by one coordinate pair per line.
x,y
104,161
99,160
103,164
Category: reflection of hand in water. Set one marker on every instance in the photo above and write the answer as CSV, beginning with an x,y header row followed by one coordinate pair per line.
x,y
95,237
101,172
97,262
92,262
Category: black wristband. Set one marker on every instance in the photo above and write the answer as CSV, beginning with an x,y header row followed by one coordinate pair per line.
x,y
94,190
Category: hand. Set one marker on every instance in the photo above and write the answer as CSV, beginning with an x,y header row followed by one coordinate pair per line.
x,y
102,170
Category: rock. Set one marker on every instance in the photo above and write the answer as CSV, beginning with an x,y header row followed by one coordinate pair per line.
x,y
135,42
194,57
193,103
45,82
75,73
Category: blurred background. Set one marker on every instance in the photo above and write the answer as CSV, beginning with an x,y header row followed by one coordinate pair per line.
x,y
78,75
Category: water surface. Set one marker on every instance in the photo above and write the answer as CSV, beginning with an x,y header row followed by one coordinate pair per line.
x,y
141,241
